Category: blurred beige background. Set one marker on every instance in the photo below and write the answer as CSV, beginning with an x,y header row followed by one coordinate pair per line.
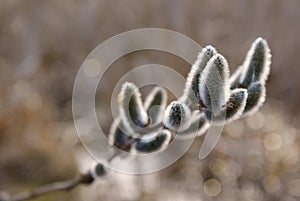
x,y
43,43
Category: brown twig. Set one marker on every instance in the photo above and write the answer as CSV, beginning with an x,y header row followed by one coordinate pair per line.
x,y
56,186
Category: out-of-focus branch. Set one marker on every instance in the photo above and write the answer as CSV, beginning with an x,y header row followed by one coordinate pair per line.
x,y
66,185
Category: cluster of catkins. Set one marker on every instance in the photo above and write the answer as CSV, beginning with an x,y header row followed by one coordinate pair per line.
x,y
211,97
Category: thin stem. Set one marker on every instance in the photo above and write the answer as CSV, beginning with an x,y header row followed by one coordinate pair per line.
x,y
115,154
123,147
56,186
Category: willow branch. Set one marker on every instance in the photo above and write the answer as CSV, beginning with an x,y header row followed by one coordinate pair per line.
x,y
66,185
